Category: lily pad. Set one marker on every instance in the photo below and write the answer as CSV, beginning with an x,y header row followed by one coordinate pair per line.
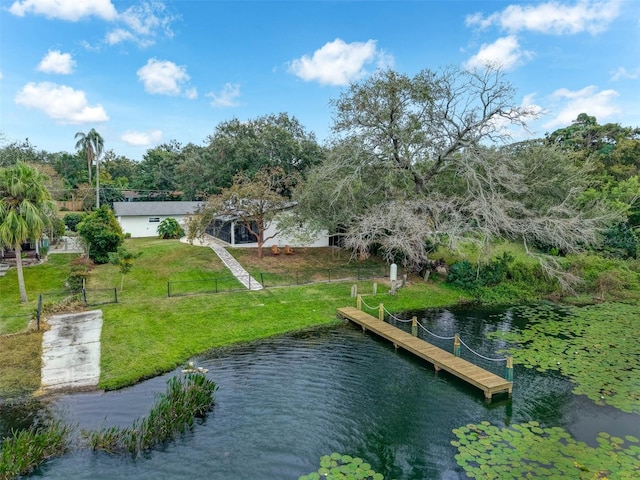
x,y
527,450
593,346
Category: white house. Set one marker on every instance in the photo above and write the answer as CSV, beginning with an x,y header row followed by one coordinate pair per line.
x,y
235,233
141,219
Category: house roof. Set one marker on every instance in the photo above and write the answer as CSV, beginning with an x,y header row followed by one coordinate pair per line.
x,y
127,209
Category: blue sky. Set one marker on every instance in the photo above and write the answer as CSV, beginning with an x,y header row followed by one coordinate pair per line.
x,y
147,72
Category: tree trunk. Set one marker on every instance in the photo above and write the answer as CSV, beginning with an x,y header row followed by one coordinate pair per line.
x,y
23,290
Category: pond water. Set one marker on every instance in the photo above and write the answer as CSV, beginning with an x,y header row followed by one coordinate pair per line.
x,y
284,402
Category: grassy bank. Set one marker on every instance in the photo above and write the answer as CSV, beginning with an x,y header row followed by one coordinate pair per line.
x,y
148,333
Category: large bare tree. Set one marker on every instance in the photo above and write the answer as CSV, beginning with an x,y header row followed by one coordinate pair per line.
x,y
421,161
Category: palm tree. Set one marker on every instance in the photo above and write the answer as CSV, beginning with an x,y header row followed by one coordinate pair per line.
x,y
25,210
91,145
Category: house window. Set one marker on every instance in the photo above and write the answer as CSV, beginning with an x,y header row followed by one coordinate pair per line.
x,y
154,219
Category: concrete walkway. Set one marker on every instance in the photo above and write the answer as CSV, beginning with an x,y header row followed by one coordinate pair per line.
x,y
71,351
67,245
232,264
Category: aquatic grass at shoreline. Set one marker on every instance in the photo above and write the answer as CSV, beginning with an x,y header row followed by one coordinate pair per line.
x,y
185,400
21,453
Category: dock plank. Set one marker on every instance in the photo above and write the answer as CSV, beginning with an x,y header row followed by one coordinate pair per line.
x,y
488,382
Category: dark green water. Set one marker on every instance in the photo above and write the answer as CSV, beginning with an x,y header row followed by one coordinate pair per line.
x,y
283,403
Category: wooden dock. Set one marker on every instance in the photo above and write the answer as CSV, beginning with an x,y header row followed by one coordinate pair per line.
x,y
488,382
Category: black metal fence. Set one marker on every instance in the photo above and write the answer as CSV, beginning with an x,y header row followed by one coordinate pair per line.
x,y
280,279
51,301
227,283
321,275
99,296
90,297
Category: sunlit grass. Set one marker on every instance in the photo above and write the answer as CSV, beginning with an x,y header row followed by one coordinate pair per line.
x,y
45,277
20,362
474,253
147,338
146,333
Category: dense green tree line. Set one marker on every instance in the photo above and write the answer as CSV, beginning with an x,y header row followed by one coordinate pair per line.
x,y
413,163
172,171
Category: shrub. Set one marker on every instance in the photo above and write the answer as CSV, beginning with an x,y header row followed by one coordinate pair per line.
x,y
463,275
56,230
102,234
71,220
605,277
170,228
79,270
620,241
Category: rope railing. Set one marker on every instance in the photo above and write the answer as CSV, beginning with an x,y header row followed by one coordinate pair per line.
x,y
482,356
367,306
397,319
431,333
456,337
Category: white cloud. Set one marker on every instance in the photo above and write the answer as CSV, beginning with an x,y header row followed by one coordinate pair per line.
x,y
72,10
528,111
504,53
528,103
57,62
64,104
162,77
622,73
119,35
337,63
141,24
226,97
569,104
142,139
552,17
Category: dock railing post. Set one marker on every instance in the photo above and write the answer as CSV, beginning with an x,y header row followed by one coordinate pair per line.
x,y
508,374
414,326
381,312
359,302
456,345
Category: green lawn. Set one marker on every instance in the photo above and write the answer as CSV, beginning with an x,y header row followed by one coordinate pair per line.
x,y
147,333
46,277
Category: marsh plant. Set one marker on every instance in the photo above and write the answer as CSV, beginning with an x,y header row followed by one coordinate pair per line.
x,y
185,399
26,449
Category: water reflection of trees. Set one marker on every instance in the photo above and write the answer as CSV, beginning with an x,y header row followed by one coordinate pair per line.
x,y
22,414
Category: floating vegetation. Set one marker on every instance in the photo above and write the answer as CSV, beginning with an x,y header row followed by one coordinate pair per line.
x,y
343,467
529,451
26,449
173,412
594,346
